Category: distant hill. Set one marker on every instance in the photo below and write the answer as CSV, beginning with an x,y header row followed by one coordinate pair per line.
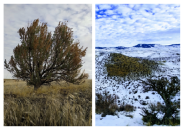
x,y
138,45
145,45
174,45
153,45
100,47
121,47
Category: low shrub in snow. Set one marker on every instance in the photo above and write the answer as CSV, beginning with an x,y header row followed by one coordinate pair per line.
x,y
150,114
129,108
167,89
131,116
106,104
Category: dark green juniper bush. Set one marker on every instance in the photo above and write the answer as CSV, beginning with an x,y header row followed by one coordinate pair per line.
x,y
167,90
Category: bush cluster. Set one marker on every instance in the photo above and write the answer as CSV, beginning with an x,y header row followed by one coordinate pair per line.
x,y
121,65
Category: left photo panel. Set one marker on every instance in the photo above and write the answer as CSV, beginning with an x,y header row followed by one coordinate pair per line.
x,y
47,65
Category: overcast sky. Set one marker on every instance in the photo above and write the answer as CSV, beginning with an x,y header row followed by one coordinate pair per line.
x,y
131,24
79,18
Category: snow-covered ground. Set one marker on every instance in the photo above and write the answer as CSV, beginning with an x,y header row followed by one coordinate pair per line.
x,y
130,91
120,119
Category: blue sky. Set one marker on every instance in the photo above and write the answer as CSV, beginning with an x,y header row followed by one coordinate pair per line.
x,y
79,17
131,24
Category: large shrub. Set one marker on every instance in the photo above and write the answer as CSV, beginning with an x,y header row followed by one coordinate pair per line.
x,y
42,57
167,89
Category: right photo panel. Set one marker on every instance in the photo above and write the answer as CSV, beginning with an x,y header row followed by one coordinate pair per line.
x,y
137,64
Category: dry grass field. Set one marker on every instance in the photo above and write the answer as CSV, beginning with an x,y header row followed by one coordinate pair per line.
x,y
65,105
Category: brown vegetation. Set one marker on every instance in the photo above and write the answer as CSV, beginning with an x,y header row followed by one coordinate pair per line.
x,y
66,105
106,104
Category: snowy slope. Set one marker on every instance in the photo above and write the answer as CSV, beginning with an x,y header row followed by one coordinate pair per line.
x,y
130,91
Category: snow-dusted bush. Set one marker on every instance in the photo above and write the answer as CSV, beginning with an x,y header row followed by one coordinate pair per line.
x,y
151,115
167,89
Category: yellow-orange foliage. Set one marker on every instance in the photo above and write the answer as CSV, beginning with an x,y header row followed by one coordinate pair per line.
x,y
42,57
121,65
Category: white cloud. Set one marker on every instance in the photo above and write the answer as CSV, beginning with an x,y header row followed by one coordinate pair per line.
x,y
131,5
132,24
114,16
103,6
110,12
124,10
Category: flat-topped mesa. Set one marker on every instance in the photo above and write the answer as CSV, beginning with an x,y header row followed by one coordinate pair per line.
x,y
145,45
138,46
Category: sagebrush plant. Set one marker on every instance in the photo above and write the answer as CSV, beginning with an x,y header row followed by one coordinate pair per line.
x,y
42,57
106,104
167,89
57,106
129,108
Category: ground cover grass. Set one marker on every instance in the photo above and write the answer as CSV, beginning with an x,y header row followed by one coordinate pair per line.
x,y
65,105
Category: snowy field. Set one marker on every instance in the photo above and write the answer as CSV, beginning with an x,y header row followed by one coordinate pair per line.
x,y
130,91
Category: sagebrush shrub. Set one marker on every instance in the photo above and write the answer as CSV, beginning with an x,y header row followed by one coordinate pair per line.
x,y
129,107
106,103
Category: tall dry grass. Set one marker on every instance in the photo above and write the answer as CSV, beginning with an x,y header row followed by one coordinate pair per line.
x,y
66,105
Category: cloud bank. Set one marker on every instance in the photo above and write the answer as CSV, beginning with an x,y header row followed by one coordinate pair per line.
x,y
79,18
131,24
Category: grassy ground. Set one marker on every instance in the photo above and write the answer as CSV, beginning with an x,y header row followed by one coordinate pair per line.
x,y
65,105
